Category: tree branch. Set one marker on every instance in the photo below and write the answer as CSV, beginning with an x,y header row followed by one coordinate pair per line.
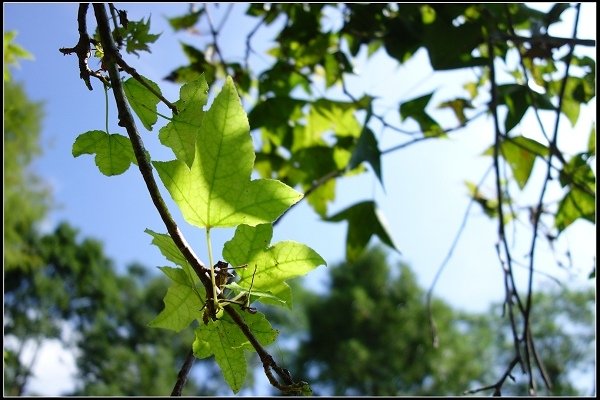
x,y
183,374
82,49
112,59
126,121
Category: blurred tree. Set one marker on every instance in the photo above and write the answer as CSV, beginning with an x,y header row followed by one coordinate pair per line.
x,y
26,198
78,298
369,335
565,333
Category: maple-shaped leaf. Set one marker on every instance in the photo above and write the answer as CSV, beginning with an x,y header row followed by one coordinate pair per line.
x,y
137,36
364,221
216,191
268,267
114,152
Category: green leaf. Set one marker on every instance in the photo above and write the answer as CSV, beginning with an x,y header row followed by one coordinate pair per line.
x,y
12,52
364,221
182,301
185,21
114,152
518,98
578,173
227,342
591,147
142,100
326,116
488,205
181,132
320,197
367,150
235,287
217,191
458,106
576,204
167,247
450,46
274,264
520,153
137,36
415,109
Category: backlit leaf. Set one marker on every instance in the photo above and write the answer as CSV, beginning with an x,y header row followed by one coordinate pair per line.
x,y
114,153
274,264
181,132
182,302
142,100
217,191
364,221
225,340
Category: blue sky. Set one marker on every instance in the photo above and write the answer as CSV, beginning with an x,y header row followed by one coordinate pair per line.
x,y
424,197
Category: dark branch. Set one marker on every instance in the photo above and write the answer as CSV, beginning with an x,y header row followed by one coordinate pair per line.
x,y
82,49
183,374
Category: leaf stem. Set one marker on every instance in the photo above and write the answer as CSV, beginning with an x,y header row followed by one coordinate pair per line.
x,y
106,107
212,271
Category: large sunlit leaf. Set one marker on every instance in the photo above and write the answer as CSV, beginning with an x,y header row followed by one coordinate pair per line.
x,y
225,340
217,191
274,264
142,100
114,152
364,221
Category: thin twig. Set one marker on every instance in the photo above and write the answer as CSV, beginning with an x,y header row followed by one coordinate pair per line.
x,y
215,35
551,41
498,385
249,48
463,224
509,279
537,210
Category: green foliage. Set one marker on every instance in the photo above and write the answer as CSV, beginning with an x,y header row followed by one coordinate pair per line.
x,y
137,36
224,339
268,267
378,342
180,133
12,53
309,137
26,197
217,191
76,288
211,183
364,221
142,100
114,153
